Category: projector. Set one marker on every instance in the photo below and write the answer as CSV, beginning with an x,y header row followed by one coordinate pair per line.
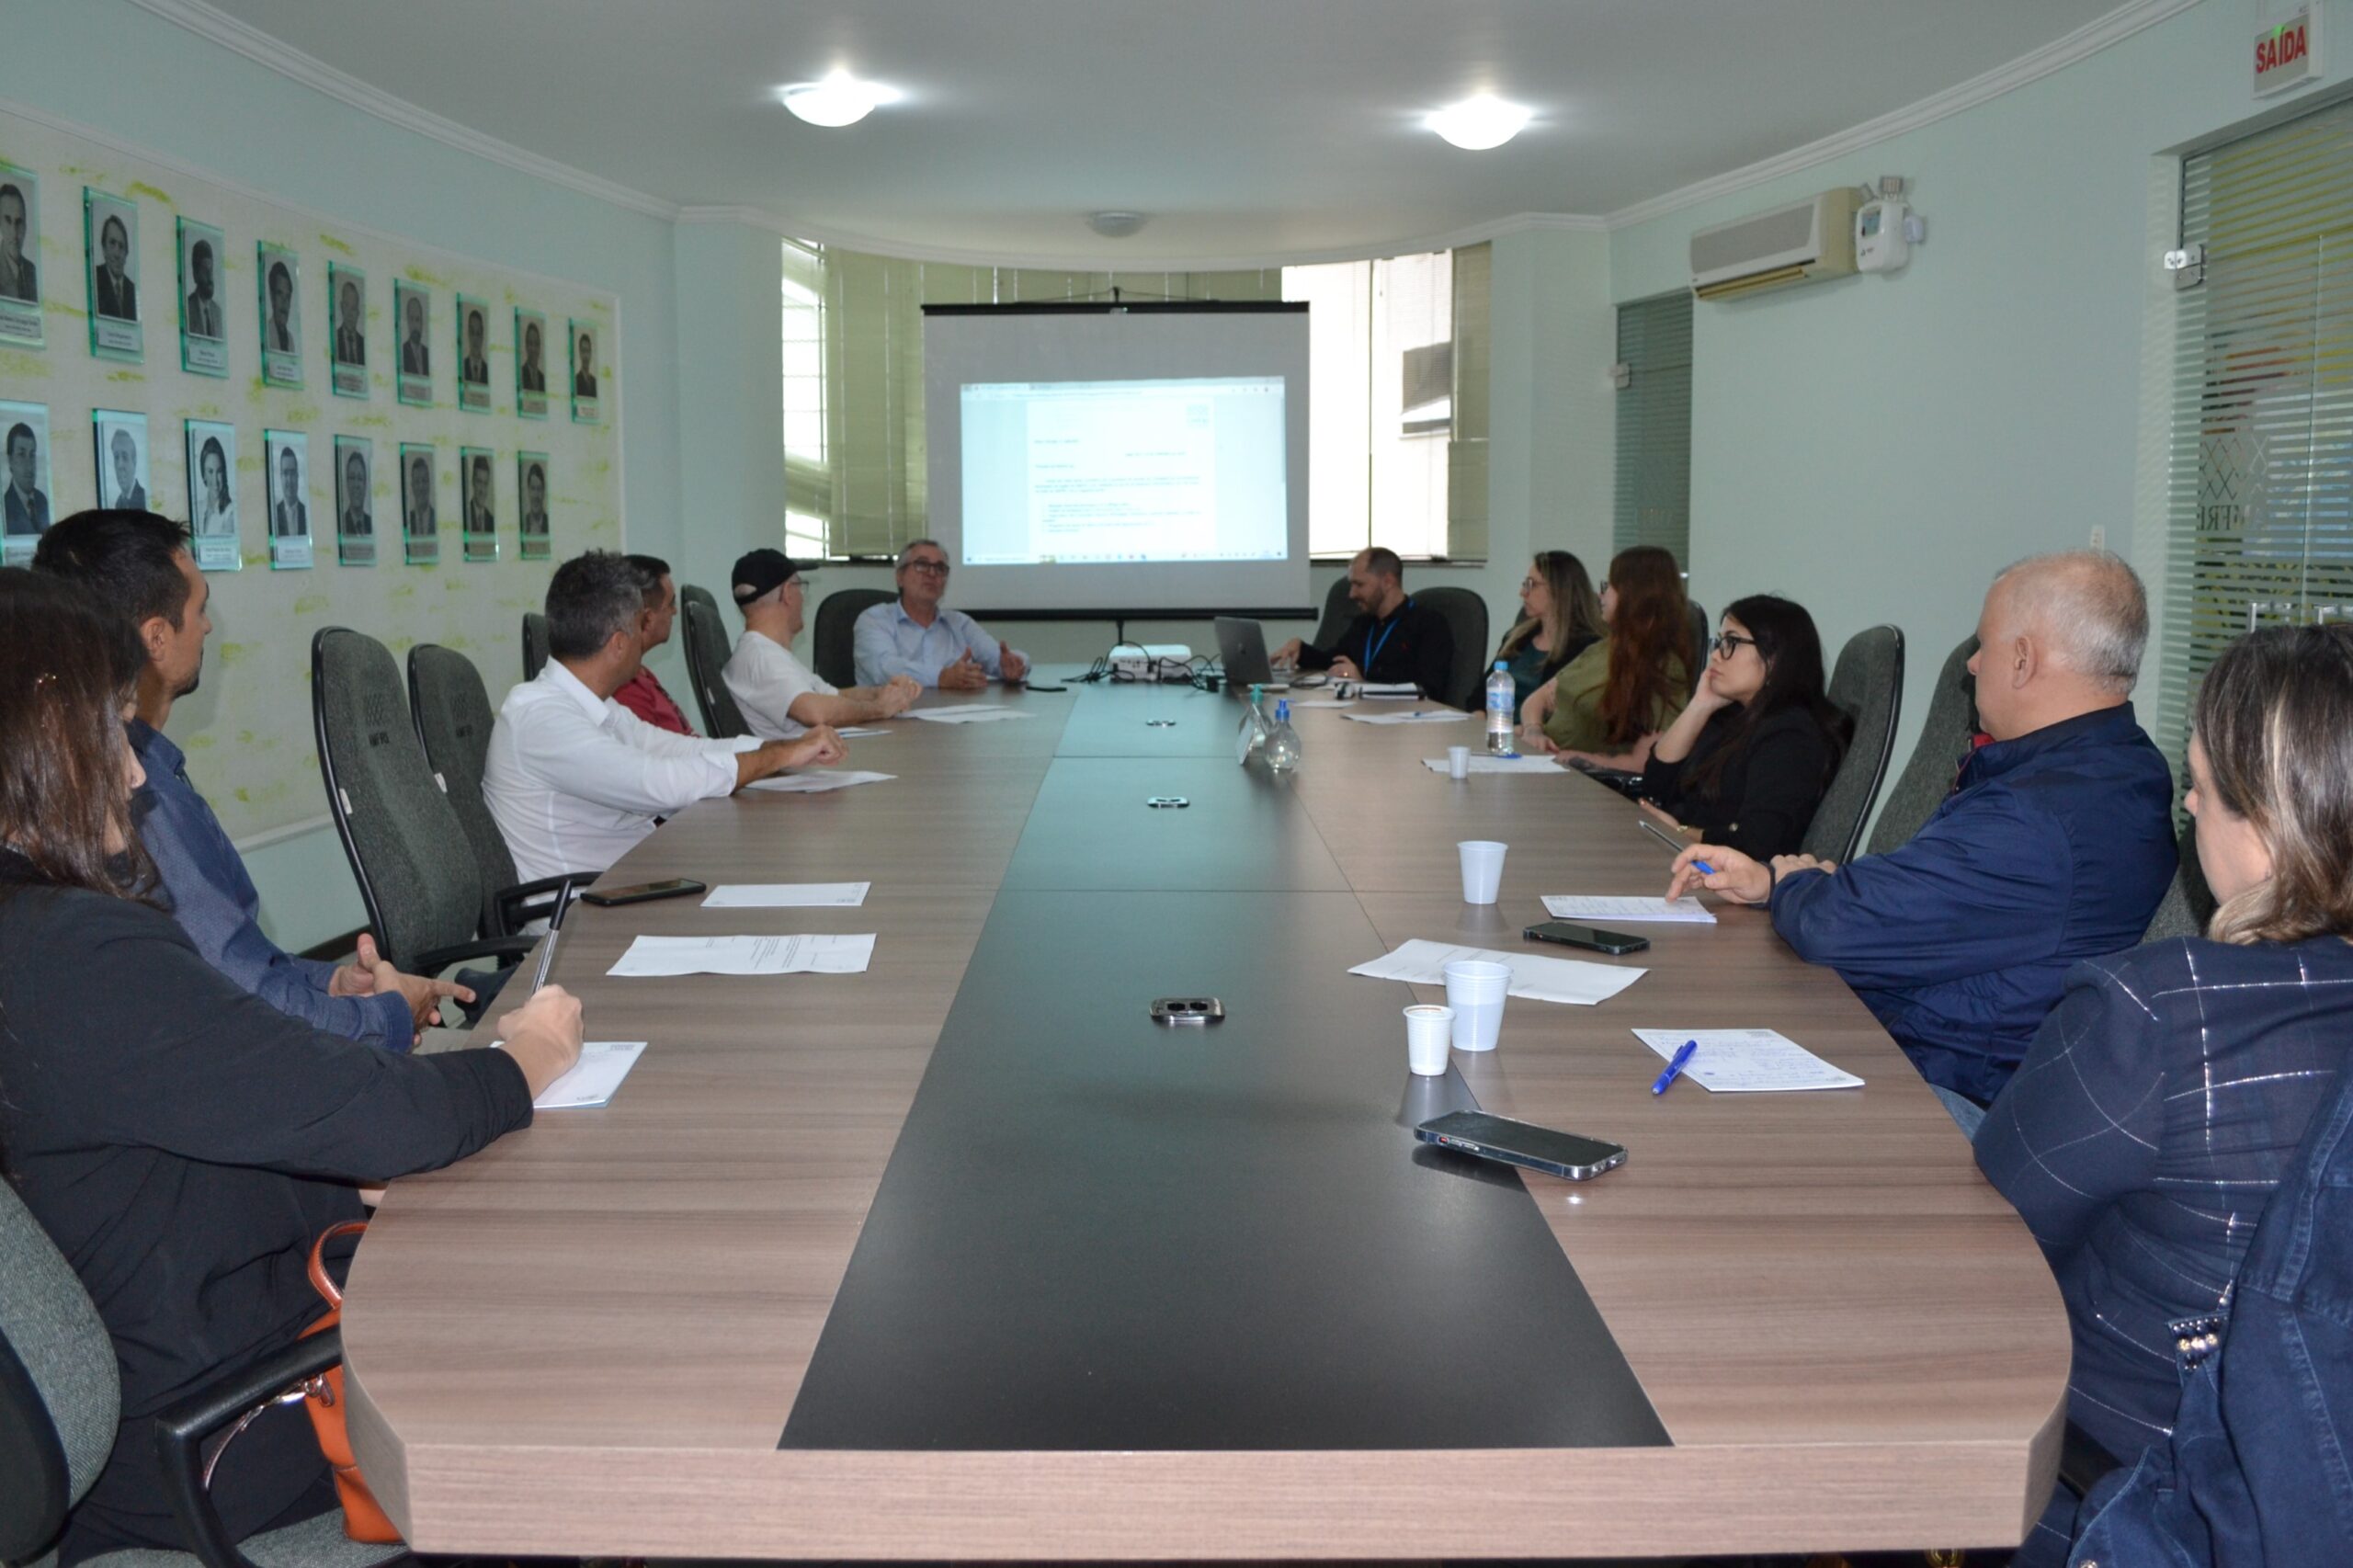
x,y
1151,660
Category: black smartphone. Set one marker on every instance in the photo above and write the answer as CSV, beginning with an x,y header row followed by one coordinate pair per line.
x,y
644,892
1519,1143
1037,685
1570,935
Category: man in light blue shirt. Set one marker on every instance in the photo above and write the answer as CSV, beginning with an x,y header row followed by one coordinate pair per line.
x,y
919,638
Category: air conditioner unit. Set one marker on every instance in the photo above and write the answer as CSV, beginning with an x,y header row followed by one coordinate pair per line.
x,y
1798,244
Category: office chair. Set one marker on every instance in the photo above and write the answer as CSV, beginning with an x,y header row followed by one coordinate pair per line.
x,y
1338,611
1466,618
535,644
1867,684
706,644
1937,756
453,721
833,652
2189,903
1703,634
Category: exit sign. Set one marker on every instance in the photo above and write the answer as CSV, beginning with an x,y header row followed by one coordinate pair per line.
x,y
2288,53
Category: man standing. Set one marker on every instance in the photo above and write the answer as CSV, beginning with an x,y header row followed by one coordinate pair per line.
x,y
2056,844
129,496
19,279
1393,640
117,294
139,563
643,693
574,780
288,518
27,507
931,645
350,339
203,310
781,697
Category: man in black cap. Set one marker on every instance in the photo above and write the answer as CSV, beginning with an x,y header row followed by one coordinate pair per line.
x,y
780,696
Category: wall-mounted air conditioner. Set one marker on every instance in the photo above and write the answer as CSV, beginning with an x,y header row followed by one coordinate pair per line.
x,y
1798,244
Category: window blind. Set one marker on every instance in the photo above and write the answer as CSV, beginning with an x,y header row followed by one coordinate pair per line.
x,y
2261,463
1466,456
1653,492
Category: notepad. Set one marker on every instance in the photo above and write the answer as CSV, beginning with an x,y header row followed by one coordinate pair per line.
x,y
1534,978
1483,762
744,955
817,783
965,713
861,732
1427,716
594,1078
1684,910
1748,1060
786,895
1389,690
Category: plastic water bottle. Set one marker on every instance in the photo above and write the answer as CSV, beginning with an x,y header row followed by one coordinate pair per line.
x,y
1282,741
1253,719
1499,713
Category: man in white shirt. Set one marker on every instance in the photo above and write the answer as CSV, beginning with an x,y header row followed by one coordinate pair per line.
x,y
922,639
780,696
574,779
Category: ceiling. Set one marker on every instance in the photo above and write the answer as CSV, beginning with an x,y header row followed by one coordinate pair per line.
x,y
1257,130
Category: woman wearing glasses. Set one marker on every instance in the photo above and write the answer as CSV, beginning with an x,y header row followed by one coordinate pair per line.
x,y
1560,617
1746,763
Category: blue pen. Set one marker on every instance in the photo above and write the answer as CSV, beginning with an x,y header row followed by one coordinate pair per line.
x,y
1672,843
1675,1068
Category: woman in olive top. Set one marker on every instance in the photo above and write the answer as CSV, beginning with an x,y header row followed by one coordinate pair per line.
x,y
181,1141
1560,617
1748,761
1609,702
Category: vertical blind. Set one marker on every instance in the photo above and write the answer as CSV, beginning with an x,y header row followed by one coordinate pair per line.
x,y
2260,464
1653,492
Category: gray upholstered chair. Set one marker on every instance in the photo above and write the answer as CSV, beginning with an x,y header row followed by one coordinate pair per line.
x,y
1338,611
452,708
833,652
1466,617
61,1398
1935,760
535,643
1867,684
2188,904
706,647
409,855
1703,634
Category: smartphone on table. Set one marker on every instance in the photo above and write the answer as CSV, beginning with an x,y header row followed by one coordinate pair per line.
x,y
644,892
1523,1143
1569,933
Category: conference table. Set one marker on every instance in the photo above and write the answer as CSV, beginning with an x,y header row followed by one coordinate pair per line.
x,y
966,1257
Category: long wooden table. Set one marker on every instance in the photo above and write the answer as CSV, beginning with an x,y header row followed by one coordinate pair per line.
x,y
592,1336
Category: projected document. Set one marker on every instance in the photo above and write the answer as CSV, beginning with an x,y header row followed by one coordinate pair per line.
x,y
1095,472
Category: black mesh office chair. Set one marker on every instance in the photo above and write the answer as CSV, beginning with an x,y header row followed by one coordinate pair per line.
x,y
1867,684
1703,634
834,639
535,644
1935,758
453,722
706,647
1466,618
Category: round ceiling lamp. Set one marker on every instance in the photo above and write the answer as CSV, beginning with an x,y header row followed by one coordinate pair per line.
x,y
840,100
1115,225
1478,123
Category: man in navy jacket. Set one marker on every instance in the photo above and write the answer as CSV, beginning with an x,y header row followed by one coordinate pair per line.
x,y
2056,844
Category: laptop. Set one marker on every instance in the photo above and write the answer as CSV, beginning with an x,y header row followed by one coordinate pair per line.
x,y
1242,651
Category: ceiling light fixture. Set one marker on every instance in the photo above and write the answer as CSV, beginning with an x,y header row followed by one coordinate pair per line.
x,y
1115,225
1478,123
840,100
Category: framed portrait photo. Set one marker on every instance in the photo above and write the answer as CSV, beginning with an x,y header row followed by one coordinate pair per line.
x,y
204,300
348,344
474,355
288,455
24,508
20,324
478,497
412,341
213,495
354,501
587,371
530,364
279,271
116,331
533,539
420,520
119,441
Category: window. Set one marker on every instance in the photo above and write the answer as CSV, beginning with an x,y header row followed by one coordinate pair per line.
x,y
808,480
1654,498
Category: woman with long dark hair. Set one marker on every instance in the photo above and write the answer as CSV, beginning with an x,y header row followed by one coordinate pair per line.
x,y
1609,702
1746,763
1560,617
182,1141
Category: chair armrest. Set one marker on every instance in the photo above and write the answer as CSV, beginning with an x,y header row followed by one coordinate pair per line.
x,y
529,900
182,1428
2081,1461
508,951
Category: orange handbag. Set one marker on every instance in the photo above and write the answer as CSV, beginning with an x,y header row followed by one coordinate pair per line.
x,y
363,1517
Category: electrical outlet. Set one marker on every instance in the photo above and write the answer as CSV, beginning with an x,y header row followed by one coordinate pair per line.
x,y
2099,536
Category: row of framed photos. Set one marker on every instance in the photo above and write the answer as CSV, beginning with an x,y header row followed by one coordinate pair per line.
x,y
120,443
111,238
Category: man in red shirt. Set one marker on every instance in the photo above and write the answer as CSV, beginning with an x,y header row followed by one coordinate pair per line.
x,y
643,694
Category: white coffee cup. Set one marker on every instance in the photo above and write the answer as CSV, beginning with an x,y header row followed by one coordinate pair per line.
x,y
1458,761
1429,1033
1483,869
1475,989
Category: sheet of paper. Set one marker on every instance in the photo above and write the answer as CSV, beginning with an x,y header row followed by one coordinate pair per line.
x,y
965,713
818,783
1481,762
1534,978
746,955
603,1064
786,895
1577,906
1748,1060
1427,716
1321,702
860,733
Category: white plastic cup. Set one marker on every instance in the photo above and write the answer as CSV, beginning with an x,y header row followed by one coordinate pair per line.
x,y
1483,869
1458,761
1429,1034
1475,989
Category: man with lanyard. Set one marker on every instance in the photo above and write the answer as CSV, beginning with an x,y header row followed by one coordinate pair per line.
x,y
1395,639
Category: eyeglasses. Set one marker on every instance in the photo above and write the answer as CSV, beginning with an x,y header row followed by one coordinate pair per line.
x,y
1530,585
1731,643
938,566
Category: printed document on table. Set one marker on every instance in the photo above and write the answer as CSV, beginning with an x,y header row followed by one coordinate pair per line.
x,y
1321,702
603,1064
860,733
1482,762
746,955
1533,978
817,783
965,713
1428,716
1686,911
1748,1060
786,895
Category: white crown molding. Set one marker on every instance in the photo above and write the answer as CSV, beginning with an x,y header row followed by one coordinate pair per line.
x,y
2081,44
218,26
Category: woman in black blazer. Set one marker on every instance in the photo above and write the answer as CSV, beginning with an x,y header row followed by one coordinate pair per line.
x,y
2166,1093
